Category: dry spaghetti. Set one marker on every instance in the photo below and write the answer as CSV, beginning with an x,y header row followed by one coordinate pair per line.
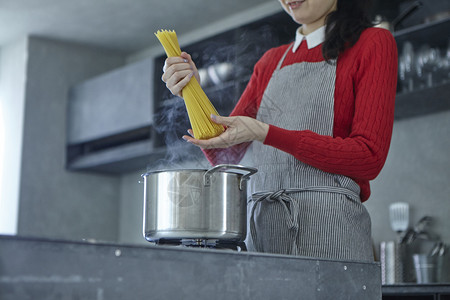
x,y
198,106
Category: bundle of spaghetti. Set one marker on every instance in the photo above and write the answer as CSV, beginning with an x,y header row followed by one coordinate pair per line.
x,y
198,106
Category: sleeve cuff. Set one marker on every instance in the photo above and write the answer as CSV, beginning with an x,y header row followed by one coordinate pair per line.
x,y
280,138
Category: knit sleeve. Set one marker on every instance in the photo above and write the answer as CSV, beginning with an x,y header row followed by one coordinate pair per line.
x,y
361,154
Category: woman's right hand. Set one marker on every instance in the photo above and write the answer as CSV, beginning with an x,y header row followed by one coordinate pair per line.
x,y
178,71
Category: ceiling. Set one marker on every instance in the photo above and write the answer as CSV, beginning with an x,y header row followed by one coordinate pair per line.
x,y
123,25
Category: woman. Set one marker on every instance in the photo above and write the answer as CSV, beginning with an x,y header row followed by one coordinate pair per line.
x,y
320,111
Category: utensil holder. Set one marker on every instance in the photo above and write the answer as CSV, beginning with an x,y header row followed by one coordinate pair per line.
x,y
426,268
388,262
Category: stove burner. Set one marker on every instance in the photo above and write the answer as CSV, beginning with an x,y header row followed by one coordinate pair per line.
x,y
203,243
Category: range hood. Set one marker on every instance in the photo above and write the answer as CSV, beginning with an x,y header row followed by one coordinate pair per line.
x,y
110,120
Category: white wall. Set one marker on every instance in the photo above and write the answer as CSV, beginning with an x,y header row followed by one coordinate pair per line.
x,y
12,102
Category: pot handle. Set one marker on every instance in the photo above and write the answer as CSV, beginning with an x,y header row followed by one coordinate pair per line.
x,y
250,170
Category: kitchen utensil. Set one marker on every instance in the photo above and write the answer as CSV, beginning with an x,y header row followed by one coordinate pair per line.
x,y
425,266
196,204
204,77
438,247
406,67
388,262
422,224
399,216
437,253
445,65
428,63
442,264
418,231
220,72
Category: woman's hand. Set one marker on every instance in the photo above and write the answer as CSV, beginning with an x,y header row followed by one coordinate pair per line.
x,y
178,71
238,130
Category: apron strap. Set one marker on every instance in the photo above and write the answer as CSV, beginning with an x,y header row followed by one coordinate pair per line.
x,y
283,197
283,57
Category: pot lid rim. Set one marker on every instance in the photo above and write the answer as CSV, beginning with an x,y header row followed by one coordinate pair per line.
x,y
186,170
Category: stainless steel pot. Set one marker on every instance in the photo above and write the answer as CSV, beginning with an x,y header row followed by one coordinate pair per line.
x,y
196,204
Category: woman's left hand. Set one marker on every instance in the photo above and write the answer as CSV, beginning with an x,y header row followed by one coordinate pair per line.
x,y
239,130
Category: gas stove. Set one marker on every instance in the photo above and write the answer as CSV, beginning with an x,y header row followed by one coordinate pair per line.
x,y
203,243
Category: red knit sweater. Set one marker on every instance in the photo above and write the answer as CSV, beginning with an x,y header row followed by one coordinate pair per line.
x,y
366,80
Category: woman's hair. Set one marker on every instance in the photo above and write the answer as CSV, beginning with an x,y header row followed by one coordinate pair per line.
x,y
344,26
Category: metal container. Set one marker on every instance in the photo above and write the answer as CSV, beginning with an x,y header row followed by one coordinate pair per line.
x,y
196,204
425,266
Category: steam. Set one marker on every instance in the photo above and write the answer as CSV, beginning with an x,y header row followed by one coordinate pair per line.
x,y
172,120
171,124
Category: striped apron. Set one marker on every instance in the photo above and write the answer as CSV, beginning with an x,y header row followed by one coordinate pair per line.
x,y
295,208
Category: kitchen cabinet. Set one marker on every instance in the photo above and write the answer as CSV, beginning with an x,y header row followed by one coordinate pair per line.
x,y
426,99
428,25
109,120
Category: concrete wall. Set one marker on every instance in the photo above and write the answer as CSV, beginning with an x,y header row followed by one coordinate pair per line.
x,y
131,208
13,61
53,202
417,171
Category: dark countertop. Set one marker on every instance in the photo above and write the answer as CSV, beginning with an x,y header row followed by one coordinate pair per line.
x,y
414,288
33,268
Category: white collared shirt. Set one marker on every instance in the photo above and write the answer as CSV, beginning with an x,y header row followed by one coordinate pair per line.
x,y
313,39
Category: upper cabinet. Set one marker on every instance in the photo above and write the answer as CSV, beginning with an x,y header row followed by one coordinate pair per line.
x,y
422,32
110,120
424,68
